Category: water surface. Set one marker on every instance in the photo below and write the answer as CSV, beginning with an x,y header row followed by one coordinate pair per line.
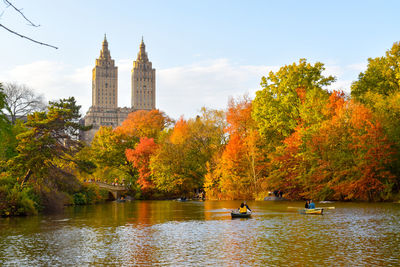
x,y
191,233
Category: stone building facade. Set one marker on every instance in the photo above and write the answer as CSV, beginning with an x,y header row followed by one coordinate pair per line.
x,y
104,110
105,80
143,81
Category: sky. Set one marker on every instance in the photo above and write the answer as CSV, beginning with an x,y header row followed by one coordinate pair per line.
x,y
204,52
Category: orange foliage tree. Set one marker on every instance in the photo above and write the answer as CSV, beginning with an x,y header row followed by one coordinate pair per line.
x,y
353,152
179,166
239,171
144,123
140,158
371,153
345,156
287,166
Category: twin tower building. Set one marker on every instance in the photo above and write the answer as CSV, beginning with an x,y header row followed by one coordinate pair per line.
x,y
104,110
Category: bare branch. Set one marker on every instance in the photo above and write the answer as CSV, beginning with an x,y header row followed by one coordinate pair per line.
x,y
21,101
22,36
22,14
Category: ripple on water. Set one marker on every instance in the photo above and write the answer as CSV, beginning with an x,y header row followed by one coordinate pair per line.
x,y
181,234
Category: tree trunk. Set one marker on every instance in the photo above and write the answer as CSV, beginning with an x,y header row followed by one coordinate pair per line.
x,y
26,178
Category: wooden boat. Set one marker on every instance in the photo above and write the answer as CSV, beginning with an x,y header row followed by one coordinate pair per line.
x,y
316,211
237,214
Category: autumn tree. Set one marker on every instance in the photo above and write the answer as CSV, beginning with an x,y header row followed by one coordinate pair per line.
x,y
386,109
107,151
348,156
378,87
358,165
144,123
179,166
287,167
176,165
109,148
140,158
295,160
239,170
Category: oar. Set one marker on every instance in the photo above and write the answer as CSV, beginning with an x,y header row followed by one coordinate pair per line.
x,y
328,208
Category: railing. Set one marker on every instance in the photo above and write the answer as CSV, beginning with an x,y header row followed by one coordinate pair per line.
x,y
110,186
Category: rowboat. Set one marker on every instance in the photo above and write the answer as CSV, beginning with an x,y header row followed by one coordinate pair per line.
x,y
316,211
237,214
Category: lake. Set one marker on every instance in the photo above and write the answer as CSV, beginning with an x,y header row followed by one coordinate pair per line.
x,y
195,233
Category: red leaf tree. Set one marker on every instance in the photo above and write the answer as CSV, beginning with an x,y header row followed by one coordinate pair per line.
x,y
140,158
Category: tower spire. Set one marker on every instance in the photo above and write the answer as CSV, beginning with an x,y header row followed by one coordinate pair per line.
x,y
104,52
142,55
105,43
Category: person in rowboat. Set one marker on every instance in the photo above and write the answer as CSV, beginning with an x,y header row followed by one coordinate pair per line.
x,y
311,205
244,207
306,206
247,206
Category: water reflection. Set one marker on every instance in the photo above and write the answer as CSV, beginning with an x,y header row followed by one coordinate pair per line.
x,y
203,233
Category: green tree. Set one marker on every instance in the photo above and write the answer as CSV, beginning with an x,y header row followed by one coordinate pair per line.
x,y
52,138
9,142
45,158
5,128
108,147
382,75
277,107
3,118
379,89
108,153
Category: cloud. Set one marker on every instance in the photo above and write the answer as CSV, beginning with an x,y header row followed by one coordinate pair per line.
x,y
359,67
333,70
181,90
345,75
54,80
184,90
